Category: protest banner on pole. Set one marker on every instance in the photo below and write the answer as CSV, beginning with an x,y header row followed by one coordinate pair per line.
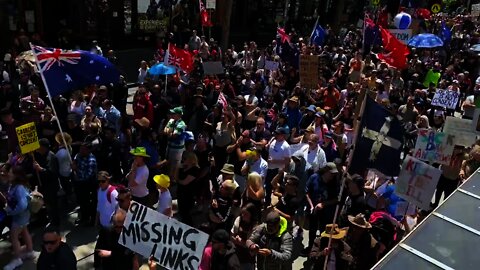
x,y
27,138
417,182
402,35
434,146
213,68
462,128
445,98
271,65
309,71
174,245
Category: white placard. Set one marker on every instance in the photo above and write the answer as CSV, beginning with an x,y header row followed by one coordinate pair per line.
x,y
445,98
435,147
211,4
462,128
417,182
173,244
402,34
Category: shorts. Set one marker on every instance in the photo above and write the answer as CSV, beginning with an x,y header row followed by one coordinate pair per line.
x,y
174,156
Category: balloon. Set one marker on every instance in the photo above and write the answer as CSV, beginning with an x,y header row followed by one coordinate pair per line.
x,y
402,20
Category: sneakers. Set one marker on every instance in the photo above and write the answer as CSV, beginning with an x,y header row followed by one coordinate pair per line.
x,y
28,255
13,264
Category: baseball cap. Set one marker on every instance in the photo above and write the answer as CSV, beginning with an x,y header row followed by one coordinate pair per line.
x,y
332,167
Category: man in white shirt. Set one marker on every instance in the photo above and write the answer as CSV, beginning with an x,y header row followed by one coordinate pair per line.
x,y
106,206
313,154
278,158
255,163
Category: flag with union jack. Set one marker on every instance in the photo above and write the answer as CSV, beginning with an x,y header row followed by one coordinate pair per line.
x,y
179,58
66,70
222,100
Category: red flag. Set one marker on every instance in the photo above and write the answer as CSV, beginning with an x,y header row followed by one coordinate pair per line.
x,y
396,52
222,100
283,35
179,58
206,22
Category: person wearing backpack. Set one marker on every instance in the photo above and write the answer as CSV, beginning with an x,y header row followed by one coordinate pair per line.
x,y
106,205
17,207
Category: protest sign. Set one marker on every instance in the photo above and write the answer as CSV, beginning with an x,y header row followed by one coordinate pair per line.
x,y
434,146
417,182
211,4
445,98
476,10
173,244
27,138
402,35
309,71
462,128
213,68
271,65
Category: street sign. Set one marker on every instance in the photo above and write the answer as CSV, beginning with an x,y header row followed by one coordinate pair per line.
x,y
211,4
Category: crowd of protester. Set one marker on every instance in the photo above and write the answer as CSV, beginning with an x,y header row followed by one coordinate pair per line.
x,y
252,171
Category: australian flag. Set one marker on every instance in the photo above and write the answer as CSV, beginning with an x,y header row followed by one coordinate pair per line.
x,y
66,70
318,35
379,141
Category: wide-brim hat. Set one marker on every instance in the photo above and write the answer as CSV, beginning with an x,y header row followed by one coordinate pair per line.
x,y
139,152
162,180
312,108
293,99
59,139
177,110
332,230
228,169
359,221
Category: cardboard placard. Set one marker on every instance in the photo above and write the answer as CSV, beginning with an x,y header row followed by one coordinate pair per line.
x,y
27,138
213,68
445,98
309,71
402,35
173,244
417,182
434,146
462,128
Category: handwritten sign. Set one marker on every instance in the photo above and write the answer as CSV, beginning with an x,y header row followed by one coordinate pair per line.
x,y
271,65
309,71
434,146
27,138
417,182
462,128
402,34
476,9
213,68
173,244
445,98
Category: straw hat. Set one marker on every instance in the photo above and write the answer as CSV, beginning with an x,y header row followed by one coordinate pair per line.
x,y
334,231
162,180
227,169
143,122
59,140
359,221
139,152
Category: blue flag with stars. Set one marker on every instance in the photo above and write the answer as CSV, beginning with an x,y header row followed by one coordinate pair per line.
x,y
66,70
318,35
379,141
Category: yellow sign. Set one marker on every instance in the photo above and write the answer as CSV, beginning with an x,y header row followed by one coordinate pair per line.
x,y
27,138
436,8
375,2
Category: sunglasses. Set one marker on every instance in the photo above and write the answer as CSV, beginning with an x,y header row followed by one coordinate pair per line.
x,y
49,242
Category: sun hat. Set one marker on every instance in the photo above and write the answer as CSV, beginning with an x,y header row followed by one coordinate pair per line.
x,y
332,230
139,152
293,99
59,139
143,122
162,180
359,221
227,169
103,176
312,108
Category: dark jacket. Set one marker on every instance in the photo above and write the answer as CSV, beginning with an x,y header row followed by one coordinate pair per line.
x,y
62,259
227,261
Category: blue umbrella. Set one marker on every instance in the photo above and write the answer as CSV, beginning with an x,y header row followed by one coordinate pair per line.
x,y
161,69
425,41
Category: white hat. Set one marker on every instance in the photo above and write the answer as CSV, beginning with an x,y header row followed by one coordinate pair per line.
x,y
7,57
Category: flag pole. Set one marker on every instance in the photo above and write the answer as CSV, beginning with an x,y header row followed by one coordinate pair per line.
x,y
344,177
314,28
51,102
